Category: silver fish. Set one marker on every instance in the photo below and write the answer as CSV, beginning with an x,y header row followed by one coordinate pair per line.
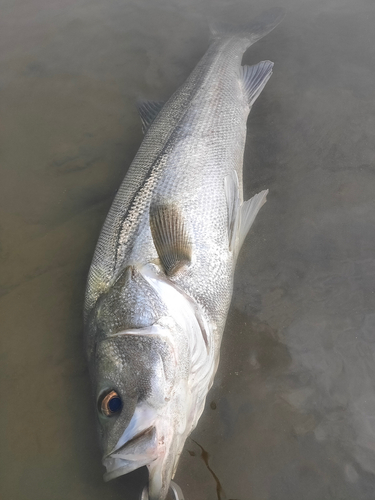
x,y
161,278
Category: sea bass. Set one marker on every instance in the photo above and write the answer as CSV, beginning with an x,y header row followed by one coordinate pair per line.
x,y
161,279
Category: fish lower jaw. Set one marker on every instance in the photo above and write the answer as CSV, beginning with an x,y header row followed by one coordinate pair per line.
x,y
120,466
139,451
158,453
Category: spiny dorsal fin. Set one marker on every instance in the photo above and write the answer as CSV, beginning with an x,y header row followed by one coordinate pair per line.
x,y
240,217
255,78
148,110
171,238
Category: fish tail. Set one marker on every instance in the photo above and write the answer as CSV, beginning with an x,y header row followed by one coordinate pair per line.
x,y
251,32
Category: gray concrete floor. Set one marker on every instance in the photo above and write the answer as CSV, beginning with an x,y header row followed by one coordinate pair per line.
x,y
292,413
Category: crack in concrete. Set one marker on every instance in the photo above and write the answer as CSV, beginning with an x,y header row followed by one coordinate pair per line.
x,y
219,489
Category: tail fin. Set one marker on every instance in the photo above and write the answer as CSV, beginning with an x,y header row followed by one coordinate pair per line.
x,y
252,32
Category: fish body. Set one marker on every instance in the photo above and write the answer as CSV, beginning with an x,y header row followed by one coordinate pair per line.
x,y
161,279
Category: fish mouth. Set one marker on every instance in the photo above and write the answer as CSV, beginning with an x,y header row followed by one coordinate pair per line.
x,y
139,451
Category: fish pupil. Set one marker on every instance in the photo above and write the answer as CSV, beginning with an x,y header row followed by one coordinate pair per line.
x,y
114,405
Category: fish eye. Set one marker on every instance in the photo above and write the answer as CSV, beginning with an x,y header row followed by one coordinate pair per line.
x,y
110,403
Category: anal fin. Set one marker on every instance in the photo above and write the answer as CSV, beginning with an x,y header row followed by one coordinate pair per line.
x,y
171,238
255,78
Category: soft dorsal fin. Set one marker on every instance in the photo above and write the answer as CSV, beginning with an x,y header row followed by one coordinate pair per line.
x,y
148,110
255,78
240,216
171,238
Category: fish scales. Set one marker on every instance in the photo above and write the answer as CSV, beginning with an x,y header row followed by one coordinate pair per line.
x,y
191,108
161,279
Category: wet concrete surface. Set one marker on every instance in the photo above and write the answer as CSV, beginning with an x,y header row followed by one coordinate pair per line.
x,y
292,411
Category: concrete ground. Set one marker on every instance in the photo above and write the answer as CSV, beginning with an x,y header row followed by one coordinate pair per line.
x,y
291,415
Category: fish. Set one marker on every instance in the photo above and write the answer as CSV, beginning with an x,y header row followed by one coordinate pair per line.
x,y
161,279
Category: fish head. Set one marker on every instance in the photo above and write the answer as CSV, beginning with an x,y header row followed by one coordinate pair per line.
x,y
141,395
150,385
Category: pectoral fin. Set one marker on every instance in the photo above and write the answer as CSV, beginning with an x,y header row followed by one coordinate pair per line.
x,y
171,238
240,216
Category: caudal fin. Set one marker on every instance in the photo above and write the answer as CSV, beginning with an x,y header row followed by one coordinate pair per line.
x,y
253,31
